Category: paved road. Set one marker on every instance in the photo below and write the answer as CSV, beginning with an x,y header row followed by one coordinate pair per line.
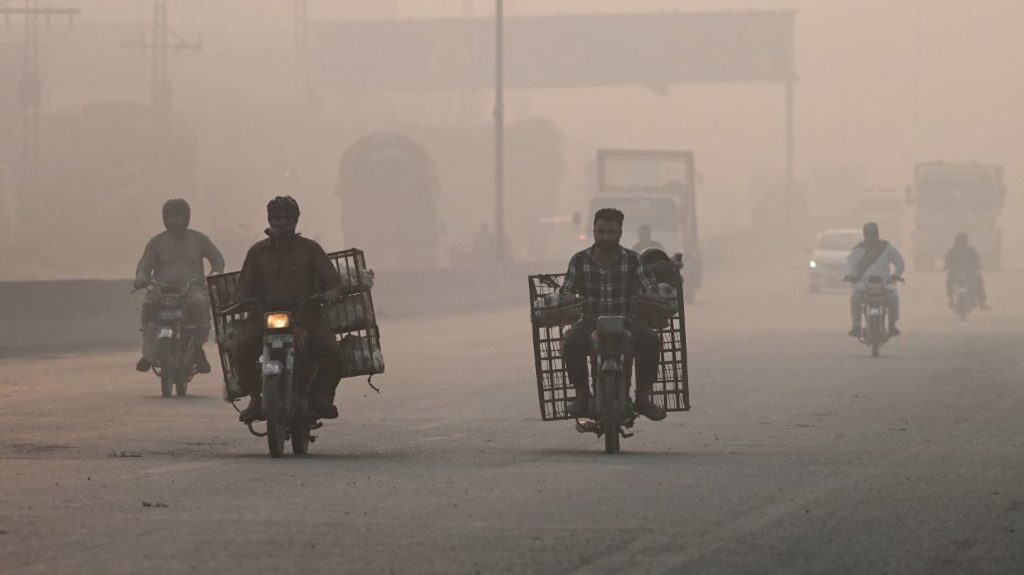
x,y
801,455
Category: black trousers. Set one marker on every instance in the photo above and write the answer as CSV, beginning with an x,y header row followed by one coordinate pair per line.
x,y
976,283
318,344
646,351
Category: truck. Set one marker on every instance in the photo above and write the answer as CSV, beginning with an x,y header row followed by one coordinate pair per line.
x,y
952,197
654,188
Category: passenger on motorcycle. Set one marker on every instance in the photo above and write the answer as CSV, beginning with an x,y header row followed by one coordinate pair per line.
x,y
964,259
874,257
606,275
289,268
175,257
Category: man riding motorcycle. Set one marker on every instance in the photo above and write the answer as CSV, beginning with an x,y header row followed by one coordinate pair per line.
x,y
175,257
646,239
874,257
606,275
964,259
288,268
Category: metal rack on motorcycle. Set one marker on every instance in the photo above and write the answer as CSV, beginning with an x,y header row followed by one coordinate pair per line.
x,y
352,319
671,389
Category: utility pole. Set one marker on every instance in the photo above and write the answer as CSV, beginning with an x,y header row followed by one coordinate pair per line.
x,y
301,98
499,129
30,92
161,41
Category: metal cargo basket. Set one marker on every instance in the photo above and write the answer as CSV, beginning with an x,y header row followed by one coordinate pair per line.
x,y
352,319
671,388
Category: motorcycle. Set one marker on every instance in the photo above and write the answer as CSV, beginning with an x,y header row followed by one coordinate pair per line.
x,y
285,398
175,362
611,411
875,312
963,297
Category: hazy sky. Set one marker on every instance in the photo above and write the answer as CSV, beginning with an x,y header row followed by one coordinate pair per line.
x,y
882,83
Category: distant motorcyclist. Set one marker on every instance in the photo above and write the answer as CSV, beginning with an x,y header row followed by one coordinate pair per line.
x,y
646,240
964,259
874,257
175,257
606,275
288,268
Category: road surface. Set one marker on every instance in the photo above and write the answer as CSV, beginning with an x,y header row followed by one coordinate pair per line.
x,y
801,455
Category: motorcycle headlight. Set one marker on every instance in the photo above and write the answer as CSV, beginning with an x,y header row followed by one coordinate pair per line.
x,y
813,264
278,321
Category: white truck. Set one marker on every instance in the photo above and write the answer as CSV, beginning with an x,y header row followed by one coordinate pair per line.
x,y
956,197
654,188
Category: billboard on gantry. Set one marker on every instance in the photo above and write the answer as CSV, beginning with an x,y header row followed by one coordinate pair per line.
x,y
558,51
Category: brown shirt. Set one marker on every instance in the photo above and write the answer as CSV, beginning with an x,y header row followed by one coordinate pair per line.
x,y
288,271
178,259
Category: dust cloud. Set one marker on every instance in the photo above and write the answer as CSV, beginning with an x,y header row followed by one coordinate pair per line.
x,y
408,174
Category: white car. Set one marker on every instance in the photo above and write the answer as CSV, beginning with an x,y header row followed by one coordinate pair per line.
x,y
828,258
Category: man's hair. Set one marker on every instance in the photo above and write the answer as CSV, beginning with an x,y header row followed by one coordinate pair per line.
x,y
609,215
283,205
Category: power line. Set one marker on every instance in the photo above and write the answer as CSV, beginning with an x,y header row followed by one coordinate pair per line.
x,y
30,90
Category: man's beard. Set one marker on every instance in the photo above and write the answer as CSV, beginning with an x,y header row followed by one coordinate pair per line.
x,y
280,233
605,245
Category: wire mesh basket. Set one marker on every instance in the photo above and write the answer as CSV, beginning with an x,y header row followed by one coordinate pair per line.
x,y
671,388
352,319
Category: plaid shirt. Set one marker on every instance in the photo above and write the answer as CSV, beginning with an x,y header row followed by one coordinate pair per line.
x,y
608,288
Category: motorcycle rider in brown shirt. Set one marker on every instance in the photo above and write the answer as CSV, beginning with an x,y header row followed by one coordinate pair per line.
x,y
288,268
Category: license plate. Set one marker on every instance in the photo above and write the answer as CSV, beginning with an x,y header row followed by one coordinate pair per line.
x,y
874,311
166,332
170,314
279,340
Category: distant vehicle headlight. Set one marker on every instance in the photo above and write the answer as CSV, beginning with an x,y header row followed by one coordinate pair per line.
x,y
813,264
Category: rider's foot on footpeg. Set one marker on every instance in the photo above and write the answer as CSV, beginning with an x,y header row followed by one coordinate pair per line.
x,y
252,412
855,332
893,332
323,408
579,407
143,365
202,365
650,410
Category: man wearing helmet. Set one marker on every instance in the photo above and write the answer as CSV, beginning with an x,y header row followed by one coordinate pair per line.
x,y
175,257
288,268
964,259
874,257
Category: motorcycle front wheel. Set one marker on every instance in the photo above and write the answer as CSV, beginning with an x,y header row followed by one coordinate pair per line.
x,y
610,409
275,436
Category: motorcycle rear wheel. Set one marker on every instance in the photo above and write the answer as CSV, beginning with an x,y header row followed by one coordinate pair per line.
x,y
275,436
300,440
181,387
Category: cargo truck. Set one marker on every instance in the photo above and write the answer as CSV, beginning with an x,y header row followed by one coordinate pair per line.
x,y
948,198
656,188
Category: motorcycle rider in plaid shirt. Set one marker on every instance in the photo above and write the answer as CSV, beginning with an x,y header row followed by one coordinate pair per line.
x,y
607,275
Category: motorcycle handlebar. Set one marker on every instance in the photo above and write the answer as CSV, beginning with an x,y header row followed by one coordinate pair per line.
x,y
245,305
